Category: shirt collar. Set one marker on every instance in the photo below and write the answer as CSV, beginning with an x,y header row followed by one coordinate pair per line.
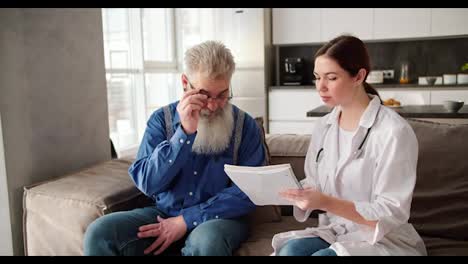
x,y
368,117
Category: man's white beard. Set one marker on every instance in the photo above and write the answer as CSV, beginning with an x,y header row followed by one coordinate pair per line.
x,y
214,136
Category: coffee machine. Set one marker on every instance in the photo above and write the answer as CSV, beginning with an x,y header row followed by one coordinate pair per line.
x,y
292,71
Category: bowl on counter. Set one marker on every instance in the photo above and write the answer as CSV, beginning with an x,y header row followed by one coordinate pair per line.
x,y
431,80
453,106
423,80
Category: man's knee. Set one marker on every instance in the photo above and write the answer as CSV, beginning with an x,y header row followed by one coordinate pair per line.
x,y
97,235
207,244
214,238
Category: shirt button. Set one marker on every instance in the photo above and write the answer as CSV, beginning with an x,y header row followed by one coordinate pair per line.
x,y
170,161
190,193
188,142
181,141
195,173
195,223
216,217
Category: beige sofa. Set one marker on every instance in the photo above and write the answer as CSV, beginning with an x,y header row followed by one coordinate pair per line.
x,y
57,212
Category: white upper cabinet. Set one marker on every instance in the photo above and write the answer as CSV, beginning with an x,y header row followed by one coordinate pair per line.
x,y
242,31
312,25
296,25
449,21
396,23
355,21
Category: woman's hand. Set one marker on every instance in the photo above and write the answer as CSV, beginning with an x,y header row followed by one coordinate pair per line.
x,y
308,198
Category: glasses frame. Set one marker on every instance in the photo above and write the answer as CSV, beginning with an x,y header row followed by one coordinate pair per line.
x,y
216,99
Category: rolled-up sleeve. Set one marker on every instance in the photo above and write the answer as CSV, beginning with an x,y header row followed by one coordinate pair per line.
x,y
394,181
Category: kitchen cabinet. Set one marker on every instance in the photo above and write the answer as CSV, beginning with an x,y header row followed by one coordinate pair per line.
x,y
355,21
396,23
449,21
288,108
296,25
316,25
439,96
292,104
407,97
243,31
248,86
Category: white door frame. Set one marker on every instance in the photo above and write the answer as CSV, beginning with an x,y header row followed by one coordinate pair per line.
x,y
6,242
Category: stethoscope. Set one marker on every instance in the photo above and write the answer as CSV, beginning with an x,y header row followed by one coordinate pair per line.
x,y
356,153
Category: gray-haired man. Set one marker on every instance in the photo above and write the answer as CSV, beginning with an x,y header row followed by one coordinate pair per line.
x,y
180,164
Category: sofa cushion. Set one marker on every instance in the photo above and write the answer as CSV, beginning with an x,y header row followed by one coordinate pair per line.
x,y
57,212
289,148
436,246
440,207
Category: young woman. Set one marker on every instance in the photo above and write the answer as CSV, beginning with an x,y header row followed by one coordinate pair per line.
x,y
360,167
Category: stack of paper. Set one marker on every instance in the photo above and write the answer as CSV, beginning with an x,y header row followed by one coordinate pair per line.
x,y
263,184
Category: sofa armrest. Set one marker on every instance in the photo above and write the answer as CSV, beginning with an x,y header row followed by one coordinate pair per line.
x,y
56,213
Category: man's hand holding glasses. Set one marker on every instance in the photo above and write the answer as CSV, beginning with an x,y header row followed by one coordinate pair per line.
x,y
189,110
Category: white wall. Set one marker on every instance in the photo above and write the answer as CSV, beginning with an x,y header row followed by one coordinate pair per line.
x,y
53,98
6,247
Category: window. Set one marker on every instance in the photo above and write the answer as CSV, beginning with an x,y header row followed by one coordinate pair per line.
x,y
141,69
143,50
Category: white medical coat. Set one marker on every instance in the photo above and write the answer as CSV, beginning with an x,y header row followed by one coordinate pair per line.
x,y
380,183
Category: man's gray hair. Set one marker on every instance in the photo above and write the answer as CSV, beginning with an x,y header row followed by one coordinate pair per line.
x,y
211,59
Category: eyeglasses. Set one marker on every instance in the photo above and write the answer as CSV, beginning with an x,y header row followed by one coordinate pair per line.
x,y
219,98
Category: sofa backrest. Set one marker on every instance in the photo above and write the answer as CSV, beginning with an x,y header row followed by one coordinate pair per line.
x,y
289,148
440,199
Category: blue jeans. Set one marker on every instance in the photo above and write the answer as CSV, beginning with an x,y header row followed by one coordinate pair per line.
x,y
116,234
310,246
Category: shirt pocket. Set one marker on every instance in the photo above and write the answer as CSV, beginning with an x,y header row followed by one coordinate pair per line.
x,y
357,179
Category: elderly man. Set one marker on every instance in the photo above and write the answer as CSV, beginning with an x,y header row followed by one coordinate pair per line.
x,y
180,164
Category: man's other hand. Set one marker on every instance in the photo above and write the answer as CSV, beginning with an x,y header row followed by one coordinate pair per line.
x,y
167,232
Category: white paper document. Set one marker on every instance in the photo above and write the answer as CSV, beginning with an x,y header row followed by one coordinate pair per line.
x,y
263,184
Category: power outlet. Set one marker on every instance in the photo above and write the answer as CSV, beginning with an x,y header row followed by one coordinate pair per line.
x,y
388,74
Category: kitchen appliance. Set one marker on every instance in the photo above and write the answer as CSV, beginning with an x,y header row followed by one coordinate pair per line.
x,y
462,78
375,77
292,71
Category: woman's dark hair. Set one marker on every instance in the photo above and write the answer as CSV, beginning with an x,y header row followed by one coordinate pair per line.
x,y
351,54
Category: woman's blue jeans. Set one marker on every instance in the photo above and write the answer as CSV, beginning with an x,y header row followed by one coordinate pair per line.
x,y
116,234
310,246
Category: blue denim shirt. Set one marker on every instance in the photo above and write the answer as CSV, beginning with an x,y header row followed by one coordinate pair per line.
x,y
189,184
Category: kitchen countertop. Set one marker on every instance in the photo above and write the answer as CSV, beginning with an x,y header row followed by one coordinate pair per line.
x,y
408,111
388,86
